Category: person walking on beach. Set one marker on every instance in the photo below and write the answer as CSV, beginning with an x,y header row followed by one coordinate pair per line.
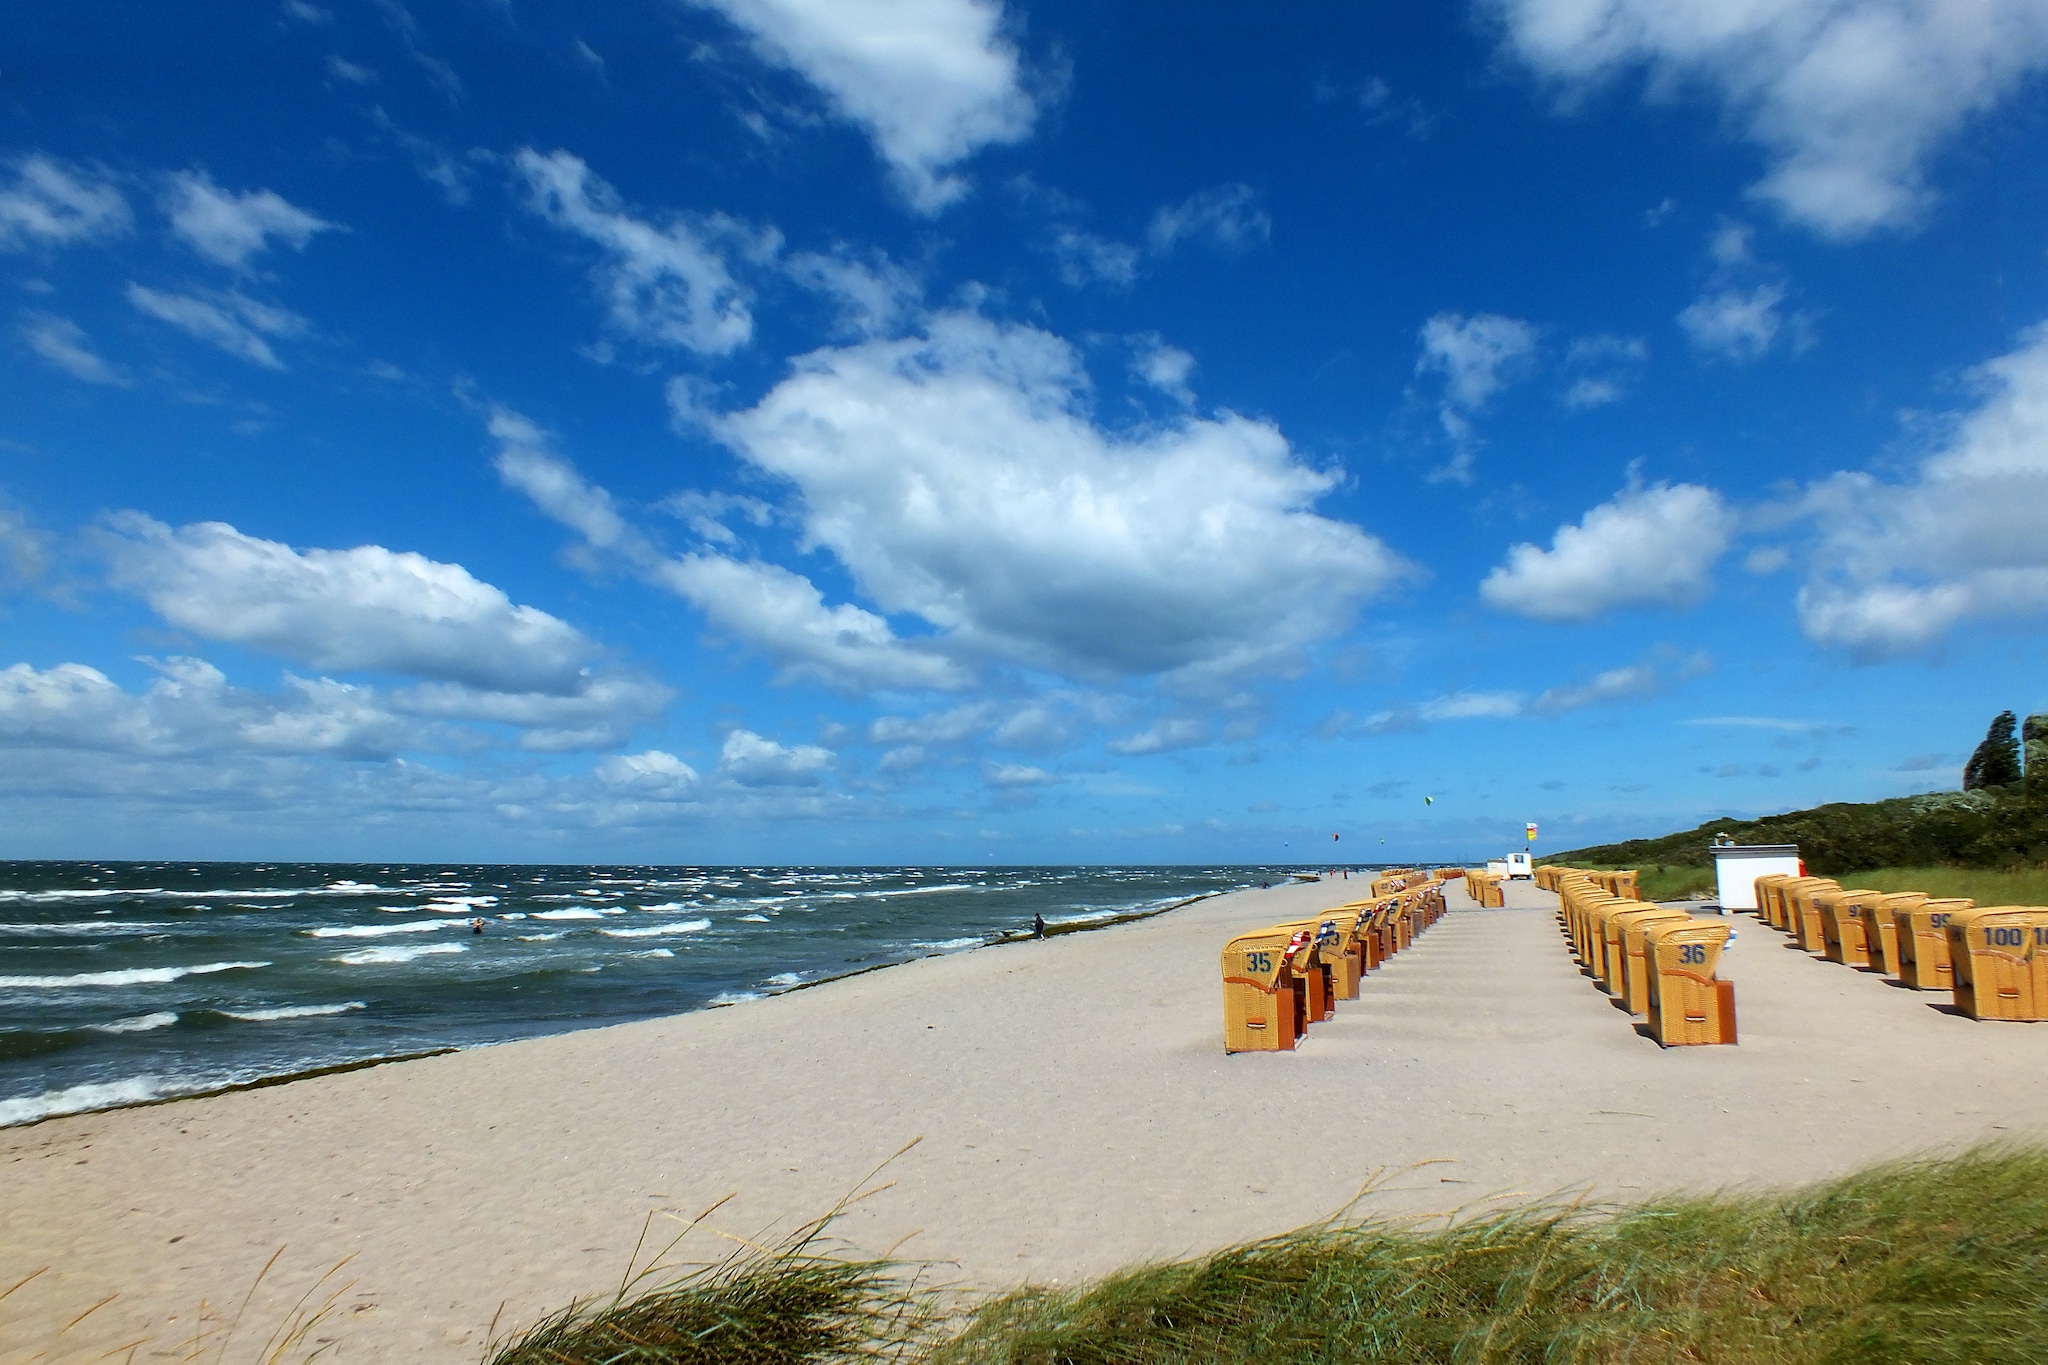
x,y
1038,926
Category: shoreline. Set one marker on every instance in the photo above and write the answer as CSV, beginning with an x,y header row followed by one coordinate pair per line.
x,y
1081,924
1076,1110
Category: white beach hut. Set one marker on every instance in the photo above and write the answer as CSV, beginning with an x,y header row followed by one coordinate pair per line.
x,y
1737,866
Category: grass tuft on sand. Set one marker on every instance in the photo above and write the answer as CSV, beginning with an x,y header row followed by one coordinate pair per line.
x,y
1937,1262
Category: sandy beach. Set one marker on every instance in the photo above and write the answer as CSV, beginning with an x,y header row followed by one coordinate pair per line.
x,y
1074,1102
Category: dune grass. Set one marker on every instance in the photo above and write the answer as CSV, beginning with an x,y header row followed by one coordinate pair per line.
x,y
2028,887
1938,1262
1663,881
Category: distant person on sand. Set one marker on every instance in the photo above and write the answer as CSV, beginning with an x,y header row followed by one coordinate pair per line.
x,y
1038,926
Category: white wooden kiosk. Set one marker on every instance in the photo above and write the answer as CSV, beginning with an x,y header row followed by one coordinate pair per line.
x,y
1737,866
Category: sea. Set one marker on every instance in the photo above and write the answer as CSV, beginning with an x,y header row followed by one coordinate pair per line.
x,y
125,983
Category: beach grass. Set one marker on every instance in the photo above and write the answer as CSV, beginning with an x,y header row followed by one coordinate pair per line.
x,y
2025,887
1663,881
783,1309
1936,1261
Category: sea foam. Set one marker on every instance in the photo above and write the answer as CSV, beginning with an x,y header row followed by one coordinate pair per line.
x,y
691,926
73,1099
292,1012
141,1023
364,957
131,976
417,926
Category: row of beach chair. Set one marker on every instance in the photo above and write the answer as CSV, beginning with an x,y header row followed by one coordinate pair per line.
x,y
1280,979
1656,961
1992,959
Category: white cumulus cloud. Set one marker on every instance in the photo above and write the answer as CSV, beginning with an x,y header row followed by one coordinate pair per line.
x,y
654,775
1896,566
762,605
365,608
230,228
752,761
1478,356
1179,732
930,81
959,478
1738,324
190,709
49,204
1849,98
1226,217
1017,775
1649,547
663,283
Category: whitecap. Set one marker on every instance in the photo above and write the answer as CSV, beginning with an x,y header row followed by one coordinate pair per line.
x,y
292,1012
568,914
953,945
141,1023
82,894
72,928
417,926
918,890
76,1098
538,938
665,905
786,979
731,998
653,952
373,956
455,905
131,976
513,914
691,926
753,919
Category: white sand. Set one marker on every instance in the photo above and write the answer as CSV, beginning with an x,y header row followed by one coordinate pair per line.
x,y
1076,1108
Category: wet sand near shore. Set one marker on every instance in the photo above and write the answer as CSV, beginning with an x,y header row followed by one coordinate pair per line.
x,y
1076,1109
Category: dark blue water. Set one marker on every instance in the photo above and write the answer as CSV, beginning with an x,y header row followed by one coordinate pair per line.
x,y
124,982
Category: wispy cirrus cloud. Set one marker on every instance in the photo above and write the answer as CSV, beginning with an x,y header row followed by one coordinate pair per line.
x,y
234,322
50,203
230,228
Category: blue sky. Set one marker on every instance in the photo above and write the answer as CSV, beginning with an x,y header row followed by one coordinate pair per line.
x,y
951,431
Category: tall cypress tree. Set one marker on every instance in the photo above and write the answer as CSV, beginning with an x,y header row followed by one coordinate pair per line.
x,y
2036,734
1997,760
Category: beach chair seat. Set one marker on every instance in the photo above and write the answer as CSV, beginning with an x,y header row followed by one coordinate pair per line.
x,y
1782,900
1803,910
1990,952
1632,954
1923,943
1688,1004
1265,1006
1844,934
1768,908
1881,930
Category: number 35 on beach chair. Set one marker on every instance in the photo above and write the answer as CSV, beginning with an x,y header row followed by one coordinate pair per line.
x,y
1265,999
